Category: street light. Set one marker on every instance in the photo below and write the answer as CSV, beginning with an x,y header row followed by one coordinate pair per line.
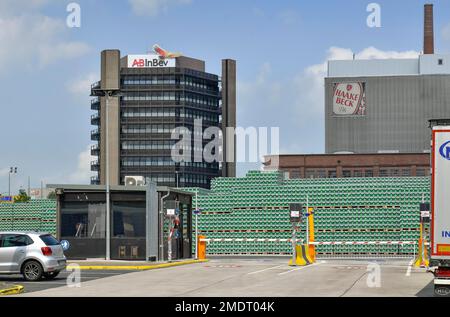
x,y
176,174
12,170
107,93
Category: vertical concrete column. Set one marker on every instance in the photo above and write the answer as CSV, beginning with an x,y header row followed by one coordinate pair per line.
x,y
229,116
152,223
110,79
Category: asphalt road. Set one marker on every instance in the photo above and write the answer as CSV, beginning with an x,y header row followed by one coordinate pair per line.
x,y
60,281
258,277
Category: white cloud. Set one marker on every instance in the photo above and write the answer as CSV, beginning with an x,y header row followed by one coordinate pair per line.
x,y
83,173
35,40
4,171
82,86
446,32
154,7
10,7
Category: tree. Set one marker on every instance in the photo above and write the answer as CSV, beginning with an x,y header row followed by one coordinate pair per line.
x,y
22,197
51,195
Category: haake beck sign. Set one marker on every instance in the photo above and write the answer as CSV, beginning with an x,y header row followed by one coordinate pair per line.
x,y
149,61
349,99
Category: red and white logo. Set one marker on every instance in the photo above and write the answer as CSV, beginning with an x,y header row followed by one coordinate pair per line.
x,y
348,99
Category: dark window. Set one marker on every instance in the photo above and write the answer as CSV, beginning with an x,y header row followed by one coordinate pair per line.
x,y
129,219
81,219
441,61
49,240
420,172
321,174
331,174
295,174
309,174
346,174
395,173
358,173
383,173
15,240
369,173
406,172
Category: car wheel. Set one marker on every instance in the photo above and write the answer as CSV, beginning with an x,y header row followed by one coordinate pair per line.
x,y
51,275
32,271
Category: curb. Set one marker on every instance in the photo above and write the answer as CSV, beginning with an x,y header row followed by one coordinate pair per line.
x,y
133,267
13,290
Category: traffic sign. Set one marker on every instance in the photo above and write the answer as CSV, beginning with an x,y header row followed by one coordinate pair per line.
x,y
197,211
65,245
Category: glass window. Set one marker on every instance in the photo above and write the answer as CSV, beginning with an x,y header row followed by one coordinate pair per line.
x,y
406,172
369,173
358,173
420,172
82,219
321,174
309,174
49,240
295,174
346,173
15,240
332,174
384,173
129,219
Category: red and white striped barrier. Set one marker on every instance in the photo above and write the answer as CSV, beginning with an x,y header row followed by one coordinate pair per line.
x,y
313,243
364,243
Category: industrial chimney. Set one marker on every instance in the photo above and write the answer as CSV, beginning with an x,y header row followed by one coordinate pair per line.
x,y
428,39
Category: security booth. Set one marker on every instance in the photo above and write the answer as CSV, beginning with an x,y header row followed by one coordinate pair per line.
x,y
140,228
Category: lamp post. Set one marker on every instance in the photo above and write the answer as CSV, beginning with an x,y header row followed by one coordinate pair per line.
x,y
176,175
12,170
107,93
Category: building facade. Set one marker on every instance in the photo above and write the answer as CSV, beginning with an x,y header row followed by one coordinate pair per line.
x,y
376,106
351,165
383,106
157,96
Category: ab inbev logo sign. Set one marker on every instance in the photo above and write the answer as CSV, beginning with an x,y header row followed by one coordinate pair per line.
x,y
349,99
149,61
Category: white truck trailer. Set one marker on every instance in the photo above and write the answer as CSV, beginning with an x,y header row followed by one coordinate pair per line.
x,y
440,207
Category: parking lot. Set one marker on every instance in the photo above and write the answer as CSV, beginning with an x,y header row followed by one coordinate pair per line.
x,y
238,277
60,281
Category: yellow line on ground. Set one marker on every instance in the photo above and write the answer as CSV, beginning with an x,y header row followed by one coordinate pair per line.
x,y
13,290
133,267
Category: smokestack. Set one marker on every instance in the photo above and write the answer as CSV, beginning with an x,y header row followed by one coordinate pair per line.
x,y
428,39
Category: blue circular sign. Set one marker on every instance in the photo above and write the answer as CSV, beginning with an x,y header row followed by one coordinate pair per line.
x,y
65,245
444,150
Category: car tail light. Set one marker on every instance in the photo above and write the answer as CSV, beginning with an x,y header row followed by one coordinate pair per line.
x,y
47,251
442,272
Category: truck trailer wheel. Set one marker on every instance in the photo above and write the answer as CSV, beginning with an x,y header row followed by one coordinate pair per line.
x,y
441,290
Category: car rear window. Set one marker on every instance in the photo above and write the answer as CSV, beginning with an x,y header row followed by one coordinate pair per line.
x,y
49,240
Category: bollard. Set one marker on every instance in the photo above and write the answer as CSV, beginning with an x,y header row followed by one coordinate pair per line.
x,y
201,248
311,247
302,256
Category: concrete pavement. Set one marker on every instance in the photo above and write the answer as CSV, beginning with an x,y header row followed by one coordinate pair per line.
x,y
259,277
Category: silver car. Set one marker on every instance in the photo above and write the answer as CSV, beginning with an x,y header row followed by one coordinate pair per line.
x,y
34,255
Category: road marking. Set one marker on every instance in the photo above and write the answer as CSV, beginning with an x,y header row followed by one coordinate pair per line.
x,y
260,271
408,271
300,268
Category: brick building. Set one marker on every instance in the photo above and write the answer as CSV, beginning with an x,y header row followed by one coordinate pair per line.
x,y
351,165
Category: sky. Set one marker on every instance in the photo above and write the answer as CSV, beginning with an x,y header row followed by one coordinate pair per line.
x,y
281,49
